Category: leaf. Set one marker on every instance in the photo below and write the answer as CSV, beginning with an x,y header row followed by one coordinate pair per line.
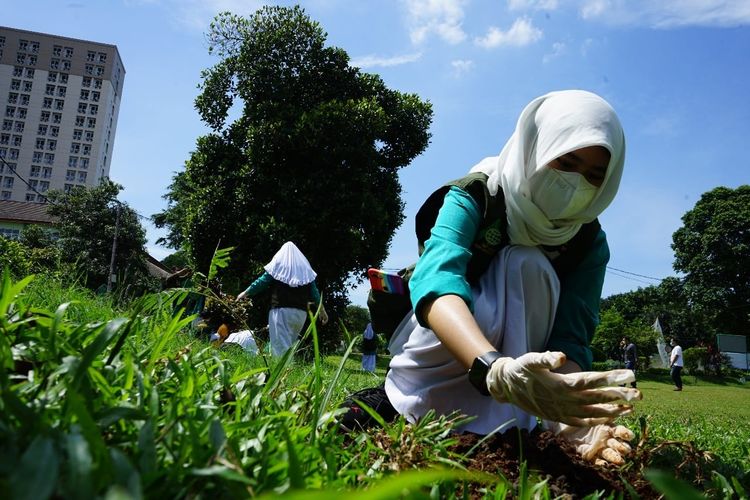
x,y
125,474
112,415
671,487
94,349
221,471
217,436
147,449
35,477
220,260
78,467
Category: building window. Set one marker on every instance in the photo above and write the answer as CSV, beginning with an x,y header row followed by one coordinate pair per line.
x,y
15,85
95,96
47,103
21,113
17,71
59,104
3,152
66,65
21,58
77,134
56,50
27,86
81,176
52,77
44,186
90,56
68,52
93,109
30,197
13,154
86,82
32,185
91,123
86,150
18,127
84,163
51,145
11,234
34,172
44,116
72,161
10,111
40,143
5,139
89,135
54,63
29,72
42,130
8,182
89,69
54,131
80,121
64,78
102,57
97,83
75,147
61,91
99,70
34,47
70,175
25,98
7,125
12,98
37,157
84,95
46,174
49,158
32,60
82,107
17,139
56,118
23,45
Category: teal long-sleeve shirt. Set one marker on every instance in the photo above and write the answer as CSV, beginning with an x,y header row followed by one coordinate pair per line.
x,y
264,282
441,270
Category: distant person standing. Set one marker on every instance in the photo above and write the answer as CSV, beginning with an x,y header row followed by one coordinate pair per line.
x,y
630,355
369,349
676,363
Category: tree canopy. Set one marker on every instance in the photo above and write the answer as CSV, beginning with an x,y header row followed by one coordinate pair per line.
x,y
88,220
712,248
313,156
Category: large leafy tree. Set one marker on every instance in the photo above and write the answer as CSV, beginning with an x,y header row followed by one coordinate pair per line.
x,y
712,248
88,221
312,156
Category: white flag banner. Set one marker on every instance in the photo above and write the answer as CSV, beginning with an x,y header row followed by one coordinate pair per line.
x,y
661,344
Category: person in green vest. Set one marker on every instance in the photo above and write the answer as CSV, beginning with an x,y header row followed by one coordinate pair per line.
x,y
291,281
505,294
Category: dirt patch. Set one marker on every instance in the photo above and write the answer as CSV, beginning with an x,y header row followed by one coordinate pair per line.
x,y
551,458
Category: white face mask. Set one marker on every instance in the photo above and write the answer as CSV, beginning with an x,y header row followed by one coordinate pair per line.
x,y
560,194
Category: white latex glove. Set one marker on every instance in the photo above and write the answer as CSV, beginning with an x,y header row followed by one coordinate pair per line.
x,y
240,296
579,399
601,444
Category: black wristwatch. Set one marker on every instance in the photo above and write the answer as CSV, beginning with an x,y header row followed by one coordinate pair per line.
x,y
479,369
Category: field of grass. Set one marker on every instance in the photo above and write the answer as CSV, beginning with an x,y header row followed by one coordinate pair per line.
x,y
97,401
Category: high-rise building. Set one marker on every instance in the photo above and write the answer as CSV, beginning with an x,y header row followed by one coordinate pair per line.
x,y
59,102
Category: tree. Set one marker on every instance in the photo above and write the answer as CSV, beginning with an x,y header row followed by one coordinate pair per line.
x,y
88,220
313,158
712,248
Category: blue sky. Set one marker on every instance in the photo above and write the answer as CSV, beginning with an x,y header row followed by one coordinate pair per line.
x,y
677,72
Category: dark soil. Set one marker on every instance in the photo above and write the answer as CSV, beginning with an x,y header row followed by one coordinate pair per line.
x,y
551,458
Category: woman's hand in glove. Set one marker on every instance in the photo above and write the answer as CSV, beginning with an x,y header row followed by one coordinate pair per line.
x,y
601,444
578,399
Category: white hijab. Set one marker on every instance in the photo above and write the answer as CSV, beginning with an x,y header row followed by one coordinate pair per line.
x,y
550,126
290,266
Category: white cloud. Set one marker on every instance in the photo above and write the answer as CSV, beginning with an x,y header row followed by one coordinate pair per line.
x,y
532,4
558,49
521,33
442,18
461,67
198,14
373,61
669,13
663,125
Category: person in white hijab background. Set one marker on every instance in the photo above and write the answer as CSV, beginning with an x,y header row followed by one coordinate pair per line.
x,y
508,283
291,282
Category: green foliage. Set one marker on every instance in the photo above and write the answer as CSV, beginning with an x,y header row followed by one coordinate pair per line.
x,y
15,257
177,260
355,319
313,158
712,248
613,327
88,220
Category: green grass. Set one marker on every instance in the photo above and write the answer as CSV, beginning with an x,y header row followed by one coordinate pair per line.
x,y
100,401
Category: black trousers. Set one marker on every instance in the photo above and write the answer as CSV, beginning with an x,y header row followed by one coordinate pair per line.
x,y
676,378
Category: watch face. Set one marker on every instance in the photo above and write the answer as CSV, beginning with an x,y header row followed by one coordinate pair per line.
x,y
479,369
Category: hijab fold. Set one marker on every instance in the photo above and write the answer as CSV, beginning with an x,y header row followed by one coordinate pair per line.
x,y
550,126
290,266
